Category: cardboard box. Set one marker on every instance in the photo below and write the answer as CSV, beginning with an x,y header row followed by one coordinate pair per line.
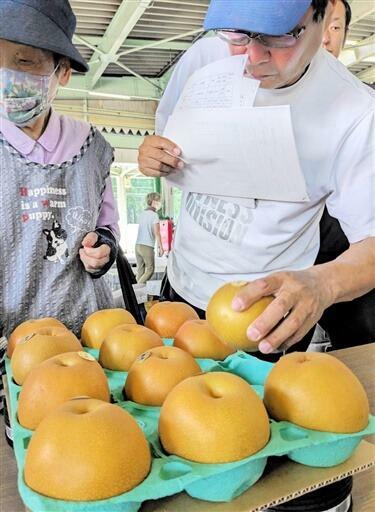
x,y
140,291
153,287
282,481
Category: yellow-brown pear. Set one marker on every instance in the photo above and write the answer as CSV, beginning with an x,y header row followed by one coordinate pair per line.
x,y
86,450
197,338
213,418
316,391
229,325
166,317
155,372
100,323
56,380
29,327
124,344
43,344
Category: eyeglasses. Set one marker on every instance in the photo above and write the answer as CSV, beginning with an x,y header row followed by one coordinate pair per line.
x,y
243,38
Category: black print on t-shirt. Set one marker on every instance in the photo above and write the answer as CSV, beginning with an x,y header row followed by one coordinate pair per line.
x,y
223,219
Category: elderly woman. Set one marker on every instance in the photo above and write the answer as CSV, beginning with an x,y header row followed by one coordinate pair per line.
x,y
58,222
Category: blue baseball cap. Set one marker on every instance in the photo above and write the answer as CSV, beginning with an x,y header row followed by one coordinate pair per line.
x,y
272,17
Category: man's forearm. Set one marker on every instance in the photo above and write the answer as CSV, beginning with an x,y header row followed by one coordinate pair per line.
x,y
352,274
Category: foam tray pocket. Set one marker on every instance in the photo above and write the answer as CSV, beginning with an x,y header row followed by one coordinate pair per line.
x,y
211,482
315,448
228,485
171,474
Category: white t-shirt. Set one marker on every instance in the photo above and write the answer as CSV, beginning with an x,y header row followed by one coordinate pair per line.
x,y
147,221
333,120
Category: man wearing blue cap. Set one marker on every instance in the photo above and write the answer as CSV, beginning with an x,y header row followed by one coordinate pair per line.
x,y
58,223
333,120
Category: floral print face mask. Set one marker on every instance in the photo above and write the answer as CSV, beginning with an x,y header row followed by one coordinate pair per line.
x,y
23,96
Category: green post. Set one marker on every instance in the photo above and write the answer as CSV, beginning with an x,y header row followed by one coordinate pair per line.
x,y
157,185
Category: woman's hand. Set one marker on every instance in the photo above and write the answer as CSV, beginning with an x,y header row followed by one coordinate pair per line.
x,y
93,258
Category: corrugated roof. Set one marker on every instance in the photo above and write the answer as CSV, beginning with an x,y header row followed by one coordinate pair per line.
x,y
163,19
94,16
361,31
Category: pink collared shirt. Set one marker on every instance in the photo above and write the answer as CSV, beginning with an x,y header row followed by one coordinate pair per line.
x,y
61,141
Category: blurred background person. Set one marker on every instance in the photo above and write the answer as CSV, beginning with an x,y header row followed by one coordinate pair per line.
x,y
335,34
148,234
332,238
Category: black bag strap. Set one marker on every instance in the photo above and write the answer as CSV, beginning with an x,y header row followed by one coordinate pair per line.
x,y
127,279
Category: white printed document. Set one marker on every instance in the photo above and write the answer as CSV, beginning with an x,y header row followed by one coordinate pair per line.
x,y
221,84
232,148
244,152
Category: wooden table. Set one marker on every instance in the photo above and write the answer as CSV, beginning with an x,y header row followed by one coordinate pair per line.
x,y
360,359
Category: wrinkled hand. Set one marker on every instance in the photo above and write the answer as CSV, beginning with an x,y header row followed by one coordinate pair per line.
x,y
153,157
300,299
93,259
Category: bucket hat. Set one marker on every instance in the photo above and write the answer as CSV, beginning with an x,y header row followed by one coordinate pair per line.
x,y
45,24
272,17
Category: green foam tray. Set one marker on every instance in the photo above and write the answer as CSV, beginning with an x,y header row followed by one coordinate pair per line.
x,y
171,474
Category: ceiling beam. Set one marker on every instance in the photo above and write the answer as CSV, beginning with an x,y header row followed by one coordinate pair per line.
x,y
140,77
157,44
361,9
367,75
122,88
118,30
94,41
116,114
357,53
